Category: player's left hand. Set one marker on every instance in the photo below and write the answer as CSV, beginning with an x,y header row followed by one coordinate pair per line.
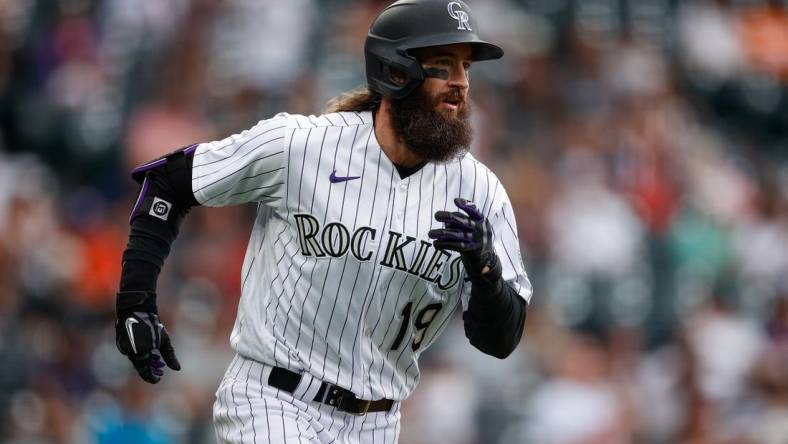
x,y
470,234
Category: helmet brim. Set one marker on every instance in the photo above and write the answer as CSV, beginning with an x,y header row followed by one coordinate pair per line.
x,y
482,50
486,51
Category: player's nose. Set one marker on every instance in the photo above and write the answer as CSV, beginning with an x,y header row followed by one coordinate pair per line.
x,y
458,78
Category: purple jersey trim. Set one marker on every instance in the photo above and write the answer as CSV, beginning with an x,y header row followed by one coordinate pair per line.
x,y
148,166
137,204
140,171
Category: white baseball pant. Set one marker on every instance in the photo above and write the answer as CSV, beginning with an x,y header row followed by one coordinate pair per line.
x,y
248,411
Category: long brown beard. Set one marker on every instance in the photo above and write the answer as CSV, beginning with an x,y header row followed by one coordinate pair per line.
x,y
429,133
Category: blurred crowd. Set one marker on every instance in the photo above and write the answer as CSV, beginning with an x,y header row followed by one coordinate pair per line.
x,y
644,145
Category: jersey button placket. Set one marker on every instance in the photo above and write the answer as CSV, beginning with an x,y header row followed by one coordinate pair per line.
x,y
400,191
401,199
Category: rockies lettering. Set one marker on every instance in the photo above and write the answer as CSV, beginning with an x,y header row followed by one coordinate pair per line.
x,y
337,245
340,280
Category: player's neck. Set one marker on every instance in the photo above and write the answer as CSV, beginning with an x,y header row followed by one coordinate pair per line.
x,y
394,148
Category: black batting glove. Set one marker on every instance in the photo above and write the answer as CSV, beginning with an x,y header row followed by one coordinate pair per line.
x,y
140,335
470,234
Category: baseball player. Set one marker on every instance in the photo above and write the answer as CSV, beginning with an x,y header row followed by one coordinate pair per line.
x,y
373,226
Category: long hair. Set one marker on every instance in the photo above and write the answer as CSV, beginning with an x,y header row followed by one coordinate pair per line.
x,y
361,99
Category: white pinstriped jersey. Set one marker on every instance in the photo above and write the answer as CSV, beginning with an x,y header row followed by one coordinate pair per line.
x,y
340,278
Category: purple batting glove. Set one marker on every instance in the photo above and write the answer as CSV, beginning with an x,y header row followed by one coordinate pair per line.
x,y
468,233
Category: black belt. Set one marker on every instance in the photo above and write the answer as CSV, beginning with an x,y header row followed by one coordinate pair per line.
x,y
333,395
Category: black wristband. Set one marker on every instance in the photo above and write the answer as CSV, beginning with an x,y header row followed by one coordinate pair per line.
x,y
489,282
131,301
138,275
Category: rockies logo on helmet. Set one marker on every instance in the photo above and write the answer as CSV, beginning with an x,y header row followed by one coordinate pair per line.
x,y
458,14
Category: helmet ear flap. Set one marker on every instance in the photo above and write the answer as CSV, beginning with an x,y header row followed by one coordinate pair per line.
x,y
395,75
391,73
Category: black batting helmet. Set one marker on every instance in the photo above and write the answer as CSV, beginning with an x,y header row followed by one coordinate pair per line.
x,y
410,24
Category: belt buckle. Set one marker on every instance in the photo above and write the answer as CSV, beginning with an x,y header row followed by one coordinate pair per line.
x,y
345,401
361,405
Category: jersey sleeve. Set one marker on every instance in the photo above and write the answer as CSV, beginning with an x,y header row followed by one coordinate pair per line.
x,y
507,246
244,167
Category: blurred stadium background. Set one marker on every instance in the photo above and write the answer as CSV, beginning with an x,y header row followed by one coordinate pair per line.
x,y
644,144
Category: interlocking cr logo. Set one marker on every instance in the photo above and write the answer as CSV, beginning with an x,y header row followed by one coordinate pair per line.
x,y
456,12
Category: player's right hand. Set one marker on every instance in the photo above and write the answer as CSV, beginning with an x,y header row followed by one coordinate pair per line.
x,y
140,335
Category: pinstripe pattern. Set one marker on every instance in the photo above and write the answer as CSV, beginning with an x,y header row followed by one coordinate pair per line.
x,y
247,411
340,280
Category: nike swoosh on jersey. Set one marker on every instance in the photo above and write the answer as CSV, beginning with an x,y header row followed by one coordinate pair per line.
x,y
129,323
337,179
